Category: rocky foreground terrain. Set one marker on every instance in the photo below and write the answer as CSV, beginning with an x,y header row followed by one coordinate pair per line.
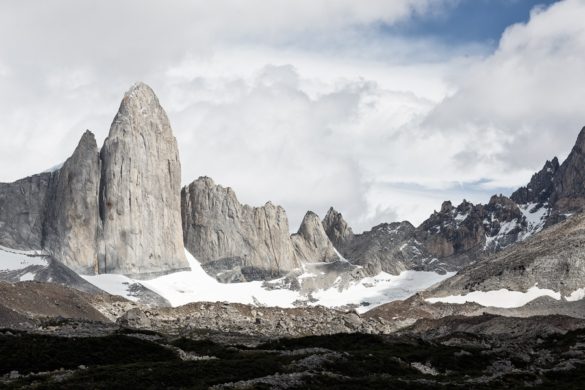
x,y
53,337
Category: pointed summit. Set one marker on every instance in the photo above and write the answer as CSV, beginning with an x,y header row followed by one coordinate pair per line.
x,y
540,187
71,223
140,204
311,243
140,111
337,229
569,183
580,143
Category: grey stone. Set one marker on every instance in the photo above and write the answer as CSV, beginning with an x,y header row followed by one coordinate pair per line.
x,y
311,243
22,211
72,222
224,234
117,211
337,229
140,191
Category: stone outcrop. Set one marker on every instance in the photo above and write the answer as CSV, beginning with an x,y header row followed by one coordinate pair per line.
x,y
337,229
311,243
140,190
568,195
383,248
72,223
551,260
540,187
117,211
225,235
456,237
22,211
236,242
447,241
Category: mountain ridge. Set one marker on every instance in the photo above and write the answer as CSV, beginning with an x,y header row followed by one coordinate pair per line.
x,y
134,184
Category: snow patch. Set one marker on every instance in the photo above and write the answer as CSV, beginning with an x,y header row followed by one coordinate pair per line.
x,y
196,285
113,284
461,217
535,218
375,291
27,276
576,295
503,298
12,259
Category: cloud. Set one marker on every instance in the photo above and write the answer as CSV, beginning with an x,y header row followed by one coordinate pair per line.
x,y
302,103
524,101
269,139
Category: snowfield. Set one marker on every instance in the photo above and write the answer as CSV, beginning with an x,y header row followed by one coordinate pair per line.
x,y
196,285
499,298
12,259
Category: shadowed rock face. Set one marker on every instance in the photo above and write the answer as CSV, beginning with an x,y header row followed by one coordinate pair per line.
x,y
456,237
22,211
141,182
541,185
336,228
117,211
568,194
552,260
72,220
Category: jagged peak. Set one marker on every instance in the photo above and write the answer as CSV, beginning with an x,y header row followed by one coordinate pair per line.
x,y
310,222
333,217
336,228
140,111
580,143
309,217
446,207
206,180
332,211
141,93
554,164
88,139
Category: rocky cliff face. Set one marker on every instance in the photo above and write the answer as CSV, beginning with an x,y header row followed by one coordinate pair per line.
x,y
551,260
541,186
448,240
116,211
236,242
337,229
568,195
140,186
22,211
311,243
72,223
455,237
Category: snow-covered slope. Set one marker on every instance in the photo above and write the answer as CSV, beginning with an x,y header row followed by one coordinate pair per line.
x,y
197,286
21,265
502,298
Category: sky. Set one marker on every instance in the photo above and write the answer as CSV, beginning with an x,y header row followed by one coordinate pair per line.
x,y
381,109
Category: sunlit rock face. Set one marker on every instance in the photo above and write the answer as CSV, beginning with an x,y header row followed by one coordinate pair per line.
x,y
140,203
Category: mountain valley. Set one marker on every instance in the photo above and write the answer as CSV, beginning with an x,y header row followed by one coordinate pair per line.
x,y
108,256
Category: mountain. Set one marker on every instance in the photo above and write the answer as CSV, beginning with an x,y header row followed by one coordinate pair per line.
x,y
236,242
140,204
455,237
114,211
447,241
553,260
120,210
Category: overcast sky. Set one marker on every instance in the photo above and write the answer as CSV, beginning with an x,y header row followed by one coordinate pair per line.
x,y
382,109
